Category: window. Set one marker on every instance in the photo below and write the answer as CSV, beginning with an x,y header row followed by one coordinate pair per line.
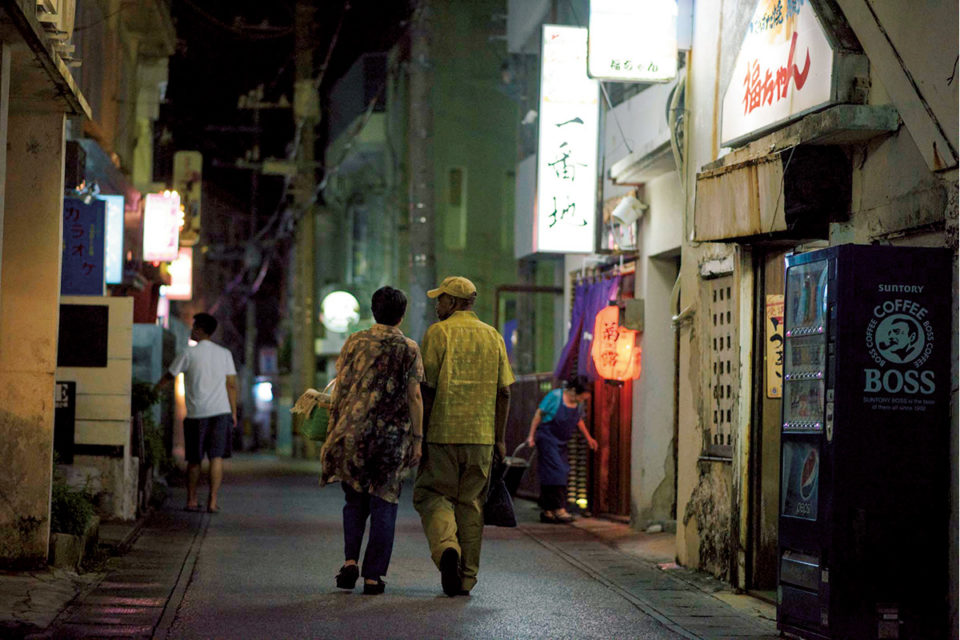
x,y
724,353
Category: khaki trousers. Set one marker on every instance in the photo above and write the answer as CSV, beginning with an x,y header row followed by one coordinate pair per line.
x,y
448,494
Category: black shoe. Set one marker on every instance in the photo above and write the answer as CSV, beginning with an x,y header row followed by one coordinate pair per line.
x,y
463,592
548,519
450,572
374,589
347,577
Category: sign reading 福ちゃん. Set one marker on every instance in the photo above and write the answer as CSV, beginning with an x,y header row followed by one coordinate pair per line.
x,y
784,69
567,153
633,41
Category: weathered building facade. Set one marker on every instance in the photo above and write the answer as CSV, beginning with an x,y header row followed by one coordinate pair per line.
x,y
873,162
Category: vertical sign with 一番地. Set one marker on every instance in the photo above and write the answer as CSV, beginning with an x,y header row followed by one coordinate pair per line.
x,y
785,68
567,152
633,41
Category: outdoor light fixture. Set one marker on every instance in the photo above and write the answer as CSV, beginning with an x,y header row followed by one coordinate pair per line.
x,y
616,350
628,211
339,310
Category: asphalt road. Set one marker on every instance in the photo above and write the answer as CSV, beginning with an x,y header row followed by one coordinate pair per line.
x,y
265,569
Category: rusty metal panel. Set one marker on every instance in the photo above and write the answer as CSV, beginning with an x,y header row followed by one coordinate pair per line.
x,y
741,200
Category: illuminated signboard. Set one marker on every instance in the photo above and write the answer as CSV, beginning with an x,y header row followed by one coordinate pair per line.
x,y
113,256
567,153
161,227
784,69
633,40
81,267
181,276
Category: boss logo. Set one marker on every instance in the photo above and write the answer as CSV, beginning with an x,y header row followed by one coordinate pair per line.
x,y
899,333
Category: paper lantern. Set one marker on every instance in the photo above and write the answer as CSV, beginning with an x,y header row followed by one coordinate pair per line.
x,y
615,351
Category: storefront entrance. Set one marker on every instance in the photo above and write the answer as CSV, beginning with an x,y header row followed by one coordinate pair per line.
x,y
768,390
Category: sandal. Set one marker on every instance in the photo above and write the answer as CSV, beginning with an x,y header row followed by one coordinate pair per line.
x,y
347,577
548,518
374,589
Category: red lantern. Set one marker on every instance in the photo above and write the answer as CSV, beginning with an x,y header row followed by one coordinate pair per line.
x,y
616,350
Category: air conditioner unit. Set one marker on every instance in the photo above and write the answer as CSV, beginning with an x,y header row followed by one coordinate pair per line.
x,y
57,18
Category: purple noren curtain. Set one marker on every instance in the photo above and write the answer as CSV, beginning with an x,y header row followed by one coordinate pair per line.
x,y
598,297
588,299
565,364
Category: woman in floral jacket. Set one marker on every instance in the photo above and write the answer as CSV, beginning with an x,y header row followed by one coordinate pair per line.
x,y
376,431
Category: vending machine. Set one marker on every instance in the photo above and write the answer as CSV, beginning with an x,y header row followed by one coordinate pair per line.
x,y
864,495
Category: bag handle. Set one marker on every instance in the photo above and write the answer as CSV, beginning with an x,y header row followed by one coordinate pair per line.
x,y
330,384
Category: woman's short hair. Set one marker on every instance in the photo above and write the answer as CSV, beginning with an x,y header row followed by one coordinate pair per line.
x,y
579,384
388,305
205,322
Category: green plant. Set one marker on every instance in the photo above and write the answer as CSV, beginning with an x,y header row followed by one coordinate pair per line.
x,y
70,509
155,452
142,396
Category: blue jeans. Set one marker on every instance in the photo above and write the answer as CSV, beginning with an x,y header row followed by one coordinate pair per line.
x,y
383,521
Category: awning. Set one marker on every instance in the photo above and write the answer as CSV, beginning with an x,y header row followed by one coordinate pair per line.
x,y
792,182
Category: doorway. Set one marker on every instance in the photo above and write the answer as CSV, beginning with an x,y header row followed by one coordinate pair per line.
x,y
768,391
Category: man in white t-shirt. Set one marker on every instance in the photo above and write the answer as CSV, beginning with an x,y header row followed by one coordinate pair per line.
x,y
211,395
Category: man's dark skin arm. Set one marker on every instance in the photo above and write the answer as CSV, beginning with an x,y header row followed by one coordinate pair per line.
x,y
500,420
429,394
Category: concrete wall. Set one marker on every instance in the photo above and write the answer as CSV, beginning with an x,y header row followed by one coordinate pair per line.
x,y
704,487
29,318
653,447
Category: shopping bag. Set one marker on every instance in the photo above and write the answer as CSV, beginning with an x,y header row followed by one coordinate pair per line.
x,y
498,509
316,406
315,426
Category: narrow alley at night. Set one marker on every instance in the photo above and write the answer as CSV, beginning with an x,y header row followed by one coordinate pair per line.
x,y
264,568
480,319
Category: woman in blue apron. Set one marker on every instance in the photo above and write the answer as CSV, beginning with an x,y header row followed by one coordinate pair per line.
x,y
550,431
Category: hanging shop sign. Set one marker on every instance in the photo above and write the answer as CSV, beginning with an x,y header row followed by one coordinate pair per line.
x,y
633,41
113,252
774,344
785,69
187,181
161,227
81,271
616,350
569,118
181,276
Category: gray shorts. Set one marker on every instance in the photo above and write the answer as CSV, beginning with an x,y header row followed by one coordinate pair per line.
x,y
210,436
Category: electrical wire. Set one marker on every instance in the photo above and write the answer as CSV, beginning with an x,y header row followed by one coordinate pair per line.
x,y
123,6
248,32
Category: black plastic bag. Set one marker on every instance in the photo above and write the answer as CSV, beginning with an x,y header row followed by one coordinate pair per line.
x,y
498,509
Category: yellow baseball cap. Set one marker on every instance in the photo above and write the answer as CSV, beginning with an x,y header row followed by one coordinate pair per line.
x,y
456,286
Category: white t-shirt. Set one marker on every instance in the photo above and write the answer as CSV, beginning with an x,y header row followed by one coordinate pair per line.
x,y
205,368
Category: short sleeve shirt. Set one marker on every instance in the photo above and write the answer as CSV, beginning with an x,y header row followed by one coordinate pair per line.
x,y
205,367
369,440
465,362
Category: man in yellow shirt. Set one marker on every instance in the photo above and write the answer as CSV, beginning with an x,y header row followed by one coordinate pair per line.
x,y
465,403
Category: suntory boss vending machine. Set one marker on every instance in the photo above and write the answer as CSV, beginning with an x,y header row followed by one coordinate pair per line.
x,y
864,496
